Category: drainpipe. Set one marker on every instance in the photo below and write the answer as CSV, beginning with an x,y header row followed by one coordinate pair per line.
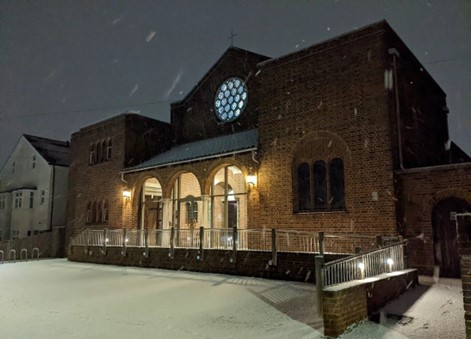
x,y
395,54
52,196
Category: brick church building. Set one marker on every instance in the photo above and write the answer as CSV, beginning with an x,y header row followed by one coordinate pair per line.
x,y
346,136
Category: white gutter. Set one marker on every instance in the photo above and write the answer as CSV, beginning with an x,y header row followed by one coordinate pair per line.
x,y
189,160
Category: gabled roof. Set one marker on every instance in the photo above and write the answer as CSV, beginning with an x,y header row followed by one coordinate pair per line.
x,y
55,152
203,149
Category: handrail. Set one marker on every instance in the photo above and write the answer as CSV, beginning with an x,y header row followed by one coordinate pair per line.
x,y
364,253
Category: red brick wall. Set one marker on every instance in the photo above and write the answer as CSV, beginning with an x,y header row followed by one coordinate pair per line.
x,y
102,181
419,191
466,279
333,95
194,118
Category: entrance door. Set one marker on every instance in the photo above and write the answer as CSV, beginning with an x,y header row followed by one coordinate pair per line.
x,y
445,236
232,213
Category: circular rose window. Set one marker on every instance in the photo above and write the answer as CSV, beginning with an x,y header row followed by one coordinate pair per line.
x,y
231,99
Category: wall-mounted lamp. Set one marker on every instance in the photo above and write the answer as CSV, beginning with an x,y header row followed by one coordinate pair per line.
x,y
126,194
252,179
390,262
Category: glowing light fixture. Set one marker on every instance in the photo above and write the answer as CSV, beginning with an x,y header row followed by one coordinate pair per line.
x,y
252,179
390,263
361,266
127,194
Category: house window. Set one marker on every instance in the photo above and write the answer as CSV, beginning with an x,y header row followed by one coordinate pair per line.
x,y
18,199
43,196
15,234
191,212
94,212
33,162
98,152
13,165
108,150
31,199
320,186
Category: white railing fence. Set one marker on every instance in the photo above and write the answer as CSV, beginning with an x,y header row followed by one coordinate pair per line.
x,y
364,265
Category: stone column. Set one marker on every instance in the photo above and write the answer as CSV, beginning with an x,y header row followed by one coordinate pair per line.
x,y
205,211
166,210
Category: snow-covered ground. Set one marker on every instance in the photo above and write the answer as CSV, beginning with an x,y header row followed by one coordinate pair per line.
x,y
61,299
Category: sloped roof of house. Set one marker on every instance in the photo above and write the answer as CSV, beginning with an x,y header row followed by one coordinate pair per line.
x,y
203,149
55,152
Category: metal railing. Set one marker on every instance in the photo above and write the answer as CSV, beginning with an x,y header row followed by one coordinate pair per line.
x,y
365,265
223,239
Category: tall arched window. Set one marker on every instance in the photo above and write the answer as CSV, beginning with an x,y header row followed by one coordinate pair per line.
x,y
313,193
89,212
108,150
94,212
337,184
320,184
92,154
98,152
103,151
304,187
105,211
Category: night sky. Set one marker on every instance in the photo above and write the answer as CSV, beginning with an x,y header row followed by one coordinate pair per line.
x,y
66,64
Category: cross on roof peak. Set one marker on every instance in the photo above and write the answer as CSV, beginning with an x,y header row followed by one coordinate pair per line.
x,y
232,36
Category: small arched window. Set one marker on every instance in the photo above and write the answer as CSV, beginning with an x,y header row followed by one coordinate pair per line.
x,y
106,211
89,212
304,187
92,157
94,212
98,152
108,150
104,147
337,184
320,184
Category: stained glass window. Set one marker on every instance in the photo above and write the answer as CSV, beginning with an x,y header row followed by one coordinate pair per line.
x,y
231,99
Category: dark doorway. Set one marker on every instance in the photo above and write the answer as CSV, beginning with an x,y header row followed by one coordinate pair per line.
x,y
232,213
445,236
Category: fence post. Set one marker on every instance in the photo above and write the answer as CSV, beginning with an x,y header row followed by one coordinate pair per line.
x,y
125,232
146,243
274,254
105,233
379,241
321,243
234,244
87,241
171,254
201,243
319,261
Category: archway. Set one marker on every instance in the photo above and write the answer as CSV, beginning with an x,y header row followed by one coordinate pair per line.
x,y
445,235
151,205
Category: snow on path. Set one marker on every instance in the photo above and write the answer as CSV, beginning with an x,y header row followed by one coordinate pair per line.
x,y
430,310
61,299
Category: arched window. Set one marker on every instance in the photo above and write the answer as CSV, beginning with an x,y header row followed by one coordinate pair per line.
x,y
105,211
92,157
94,212
304,187
108,150
191,212
98,152
337,184
89,212
320,185
313,193
104,151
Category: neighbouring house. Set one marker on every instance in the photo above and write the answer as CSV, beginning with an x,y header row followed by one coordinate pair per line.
x,y
349,136
33,187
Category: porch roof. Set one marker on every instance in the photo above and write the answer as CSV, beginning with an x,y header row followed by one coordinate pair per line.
x,y
202,149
